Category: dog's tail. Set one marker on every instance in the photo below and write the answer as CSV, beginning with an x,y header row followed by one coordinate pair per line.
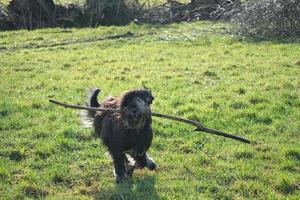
x,y
87,116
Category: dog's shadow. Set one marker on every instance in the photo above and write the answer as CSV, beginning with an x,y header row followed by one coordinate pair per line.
x,y
138,188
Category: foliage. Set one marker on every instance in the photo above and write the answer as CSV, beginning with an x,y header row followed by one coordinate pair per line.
x,y
106,12
4,23
269,18
226,9
246,88
32,14
47,13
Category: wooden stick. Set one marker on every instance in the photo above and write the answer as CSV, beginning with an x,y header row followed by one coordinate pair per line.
x,y
199,126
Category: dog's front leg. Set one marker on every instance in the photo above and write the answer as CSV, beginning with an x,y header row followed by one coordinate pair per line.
x,y
119,166
129,166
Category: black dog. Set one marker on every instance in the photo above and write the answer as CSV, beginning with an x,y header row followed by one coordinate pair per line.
x,y
127,135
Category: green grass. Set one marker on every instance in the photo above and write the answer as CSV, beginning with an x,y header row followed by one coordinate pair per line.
x,y
244,87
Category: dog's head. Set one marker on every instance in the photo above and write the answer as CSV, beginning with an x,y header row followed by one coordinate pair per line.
x,y
135,107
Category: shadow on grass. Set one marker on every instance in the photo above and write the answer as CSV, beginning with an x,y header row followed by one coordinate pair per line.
x,y
138,188
273,40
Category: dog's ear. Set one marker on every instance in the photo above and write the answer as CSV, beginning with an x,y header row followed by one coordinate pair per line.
x,y
147,88
148,95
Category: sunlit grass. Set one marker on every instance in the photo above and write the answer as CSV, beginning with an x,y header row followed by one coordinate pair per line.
x,y
239,86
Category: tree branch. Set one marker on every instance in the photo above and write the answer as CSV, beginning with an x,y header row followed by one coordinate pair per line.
x,y
199,126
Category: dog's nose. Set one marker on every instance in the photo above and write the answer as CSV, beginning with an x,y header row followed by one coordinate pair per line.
x,y
134,112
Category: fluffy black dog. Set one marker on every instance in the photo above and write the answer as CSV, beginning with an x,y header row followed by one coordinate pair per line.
x,y
127,135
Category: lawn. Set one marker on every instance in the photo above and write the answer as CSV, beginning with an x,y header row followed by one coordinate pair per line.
x,y
245,87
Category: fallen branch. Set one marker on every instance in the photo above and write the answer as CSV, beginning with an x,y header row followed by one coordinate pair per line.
x,y
199,126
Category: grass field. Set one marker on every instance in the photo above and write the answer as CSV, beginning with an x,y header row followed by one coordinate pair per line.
x,y
249,88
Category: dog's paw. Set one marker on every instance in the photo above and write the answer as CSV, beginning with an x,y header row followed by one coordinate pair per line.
x,y
129,173
119,179
126,177
150,164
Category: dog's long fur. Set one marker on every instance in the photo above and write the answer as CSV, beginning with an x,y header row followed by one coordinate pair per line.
x,y
127,135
